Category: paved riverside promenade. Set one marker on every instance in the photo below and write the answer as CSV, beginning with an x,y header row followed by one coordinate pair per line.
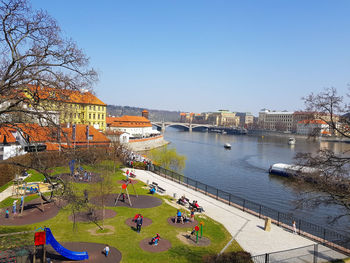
x,y
245,228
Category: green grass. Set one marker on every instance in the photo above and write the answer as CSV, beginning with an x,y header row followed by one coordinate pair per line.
x,y
34,177
125,239
5,186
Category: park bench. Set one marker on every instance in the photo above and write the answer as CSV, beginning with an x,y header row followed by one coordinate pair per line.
x,y
160,190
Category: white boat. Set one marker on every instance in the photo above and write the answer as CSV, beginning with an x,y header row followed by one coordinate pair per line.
x,y
291,141
227,146
288,170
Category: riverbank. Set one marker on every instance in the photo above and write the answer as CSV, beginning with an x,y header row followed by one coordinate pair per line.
x,y
296,136
247,229
146,144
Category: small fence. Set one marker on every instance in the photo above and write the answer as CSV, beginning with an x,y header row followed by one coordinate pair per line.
x,y
313,253
317,233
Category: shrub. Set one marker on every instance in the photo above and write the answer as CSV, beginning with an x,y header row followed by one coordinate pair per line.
x,y
229,257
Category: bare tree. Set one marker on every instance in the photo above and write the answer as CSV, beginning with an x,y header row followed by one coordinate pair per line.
x,y
34,54
331,186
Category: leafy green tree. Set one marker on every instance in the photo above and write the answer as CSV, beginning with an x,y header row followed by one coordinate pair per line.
x,y
168,158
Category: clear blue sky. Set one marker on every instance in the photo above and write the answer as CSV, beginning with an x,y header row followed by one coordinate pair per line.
x,y
198,55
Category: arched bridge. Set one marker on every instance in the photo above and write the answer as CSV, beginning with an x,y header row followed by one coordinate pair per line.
x,y
189,126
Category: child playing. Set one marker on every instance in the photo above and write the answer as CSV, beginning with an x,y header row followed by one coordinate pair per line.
x,y
106,250
155,240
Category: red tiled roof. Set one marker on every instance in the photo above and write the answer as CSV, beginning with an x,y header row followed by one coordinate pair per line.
x,y
128,121
70,96
312,122
6,131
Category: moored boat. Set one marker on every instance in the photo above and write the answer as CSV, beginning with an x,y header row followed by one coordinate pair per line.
x,y
227,146
291,141
289,170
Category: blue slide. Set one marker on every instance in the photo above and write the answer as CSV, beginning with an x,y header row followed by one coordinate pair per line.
x,y
50,239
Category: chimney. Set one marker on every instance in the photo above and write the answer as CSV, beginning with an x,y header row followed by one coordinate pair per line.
x,y
145,114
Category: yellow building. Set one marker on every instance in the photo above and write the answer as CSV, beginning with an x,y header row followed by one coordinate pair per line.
x,y
72,106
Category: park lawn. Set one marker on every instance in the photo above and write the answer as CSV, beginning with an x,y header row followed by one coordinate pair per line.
x,y
127,240
5,186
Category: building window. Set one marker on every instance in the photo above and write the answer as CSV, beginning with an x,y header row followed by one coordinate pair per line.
x,y
94,116
75,115
90,107
70,115
98,116
94,108
82,115
103,116
89,116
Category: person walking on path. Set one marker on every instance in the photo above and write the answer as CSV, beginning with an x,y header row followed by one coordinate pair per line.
x,y
294,227
7,214
139,222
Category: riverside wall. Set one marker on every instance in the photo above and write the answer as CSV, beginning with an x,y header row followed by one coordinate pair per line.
x,y
146,144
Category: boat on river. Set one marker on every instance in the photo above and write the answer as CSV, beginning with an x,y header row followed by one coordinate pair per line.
x,y
291,141
289,170
227,146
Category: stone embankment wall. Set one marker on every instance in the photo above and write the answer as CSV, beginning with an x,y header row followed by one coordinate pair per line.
x,y
146,144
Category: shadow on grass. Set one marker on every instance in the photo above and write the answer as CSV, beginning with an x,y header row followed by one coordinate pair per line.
x,y
188,253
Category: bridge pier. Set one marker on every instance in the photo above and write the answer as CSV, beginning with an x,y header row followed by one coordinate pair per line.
x,y
163,127
190,128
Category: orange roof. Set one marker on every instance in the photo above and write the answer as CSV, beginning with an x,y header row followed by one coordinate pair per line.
x,y
128,121
6,131
109,132
37,133
145,111
312,122
182,114
64,95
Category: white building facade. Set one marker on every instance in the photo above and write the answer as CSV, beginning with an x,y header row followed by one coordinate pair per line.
x,y
276,120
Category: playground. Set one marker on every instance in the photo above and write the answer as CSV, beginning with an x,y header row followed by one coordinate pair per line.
x,y
126,245
95,215
141,201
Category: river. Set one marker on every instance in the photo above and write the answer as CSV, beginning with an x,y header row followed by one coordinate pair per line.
x,y
243,170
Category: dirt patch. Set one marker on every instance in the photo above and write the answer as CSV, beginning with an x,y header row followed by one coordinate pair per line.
x,y
163,245
33,212
171,221
189,239
142,201
88,216
94,231
94,250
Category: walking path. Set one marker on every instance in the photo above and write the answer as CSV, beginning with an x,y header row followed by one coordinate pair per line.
x,y
6,193
247,229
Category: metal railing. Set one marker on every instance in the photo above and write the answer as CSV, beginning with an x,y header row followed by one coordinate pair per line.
x,y
312,231
312,253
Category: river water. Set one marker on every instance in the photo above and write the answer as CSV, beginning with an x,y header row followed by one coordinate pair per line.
x,y
243,170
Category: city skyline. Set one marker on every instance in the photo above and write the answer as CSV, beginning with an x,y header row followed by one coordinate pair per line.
x,y
203,56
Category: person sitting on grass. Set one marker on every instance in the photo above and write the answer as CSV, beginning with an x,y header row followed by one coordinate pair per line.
x,y
179,217
152,190
155,240
106,250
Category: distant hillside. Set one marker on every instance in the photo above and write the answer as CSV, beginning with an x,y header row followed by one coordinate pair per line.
x,y
154,115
